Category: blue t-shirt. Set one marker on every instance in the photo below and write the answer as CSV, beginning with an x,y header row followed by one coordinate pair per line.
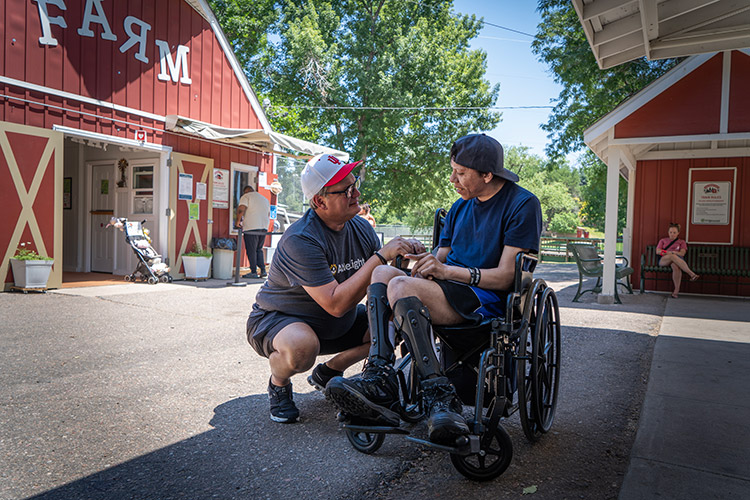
x,y
477,232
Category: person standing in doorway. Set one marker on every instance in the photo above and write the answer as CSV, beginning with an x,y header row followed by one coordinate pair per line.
x,y
253,217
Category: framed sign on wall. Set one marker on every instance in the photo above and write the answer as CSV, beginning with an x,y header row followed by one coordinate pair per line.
x,y
711,203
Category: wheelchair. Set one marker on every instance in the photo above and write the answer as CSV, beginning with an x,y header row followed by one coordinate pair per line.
x,y
488,363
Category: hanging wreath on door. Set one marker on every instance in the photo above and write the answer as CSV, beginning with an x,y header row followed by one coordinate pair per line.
x,y
122,165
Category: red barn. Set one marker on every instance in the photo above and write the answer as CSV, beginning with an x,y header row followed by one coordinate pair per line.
x,y
127,108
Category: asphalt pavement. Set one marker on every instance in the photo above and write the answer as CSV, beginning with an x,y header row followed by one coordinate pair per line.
x,y
139,391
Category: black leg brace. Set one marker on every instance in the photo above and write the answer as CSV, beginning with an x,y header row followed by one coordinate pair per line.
x,y
413,320
378,315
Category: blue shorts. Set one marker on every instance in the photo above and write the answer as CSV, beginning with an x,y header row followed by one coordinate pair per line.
x,y
473,303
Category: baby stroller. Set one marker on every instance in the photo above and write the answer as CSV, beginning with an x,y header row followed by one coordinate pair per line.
x,y
150,267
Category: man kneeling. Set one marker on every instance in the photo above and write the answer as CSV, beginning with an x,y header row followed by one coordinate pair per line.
x,y
494,220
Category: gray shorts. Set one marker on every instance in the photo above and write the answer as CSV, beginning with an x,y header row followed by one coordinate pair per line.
x,y
263,326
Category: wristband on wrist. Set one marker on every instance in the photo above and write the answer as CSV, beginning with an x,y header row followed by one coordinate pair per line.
x,y
474,276
382,259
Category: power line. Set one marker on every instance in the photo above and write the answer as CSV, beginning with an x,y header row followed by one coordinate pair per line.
x,y
410,108
509,29
485,22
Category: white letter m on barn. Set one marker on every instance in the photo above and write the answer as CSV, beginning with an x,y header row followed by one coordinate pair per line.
x,y
179,62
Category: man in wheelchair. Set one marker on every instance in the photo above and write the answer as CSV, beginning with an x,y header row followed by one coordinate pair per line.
x,y
463,281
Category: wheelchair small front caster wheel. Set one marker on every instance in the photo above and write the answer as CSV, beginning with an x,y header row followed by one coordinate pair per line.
x,y
492,459
366,442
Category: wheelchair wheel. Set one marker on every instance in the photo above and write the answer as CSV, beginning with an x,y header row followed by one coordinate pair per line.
x,y
545,360
494,457
366,442
525,373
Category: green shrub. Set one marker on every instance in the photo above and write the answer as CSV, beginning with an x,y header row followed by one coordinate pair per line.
x,y
23,253
563,222
197,251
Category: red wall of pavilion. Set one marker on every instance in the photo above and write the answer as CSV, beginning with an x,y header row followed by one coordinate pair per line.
x,y
661,197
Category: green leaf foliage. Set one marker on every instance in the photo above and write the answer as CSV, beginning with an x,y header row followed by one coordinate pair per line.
x,y
594,193
588,94
555,183
372,53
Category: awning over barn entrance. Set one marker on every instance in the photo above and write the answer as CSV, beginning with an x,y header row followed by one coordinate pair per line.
x,y
257,139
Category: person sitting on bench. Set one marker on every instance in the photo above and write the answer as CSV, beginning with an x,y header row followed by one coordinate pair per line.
x,y
672,251
494,220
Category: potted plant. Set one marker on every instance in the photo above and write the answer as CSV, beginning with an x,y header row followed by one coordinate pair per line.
x,y
30,270
197,262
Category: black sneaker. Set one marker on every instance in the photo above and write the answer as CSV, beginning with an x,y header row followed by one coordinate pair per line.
x,y
283,408
321,375
368,396
442,406
251,276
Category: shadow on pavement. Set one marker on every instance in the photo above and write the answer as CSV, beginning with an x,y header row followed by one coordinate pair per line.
x,y
239,458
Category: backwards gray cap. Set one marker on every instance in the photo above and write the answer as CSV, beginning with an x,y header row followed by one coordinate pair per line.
x,y
482,153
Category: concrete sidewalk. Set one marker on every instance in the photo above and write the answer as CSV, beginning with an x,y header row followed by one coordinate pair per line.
x,y
693,437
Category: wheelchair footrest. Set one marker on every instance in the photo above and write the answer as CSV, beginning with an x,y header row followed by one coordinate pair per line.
x,y
466,445
375,429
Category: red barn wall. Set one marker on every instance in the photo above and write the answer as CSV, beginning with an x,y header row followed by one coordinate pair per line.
x,y
95,68
661,197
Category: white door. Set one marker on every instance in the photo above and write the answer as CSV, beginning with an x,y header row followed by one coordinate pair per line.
x,y
102,209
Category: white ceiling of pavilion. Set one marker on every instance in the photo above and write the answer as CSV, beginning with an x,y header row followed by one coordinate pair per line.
x,y
623,30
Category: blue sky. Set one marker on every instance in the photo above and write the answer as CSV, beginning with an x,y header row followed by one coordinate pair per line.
x,y
524,81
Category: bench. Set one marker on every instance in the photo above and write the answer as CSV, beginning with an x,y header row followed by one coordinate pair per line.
x,y
716,260
590,265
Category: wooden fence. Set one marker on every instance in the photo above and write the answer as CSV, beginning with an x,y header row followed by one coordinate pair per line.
x,y
551,249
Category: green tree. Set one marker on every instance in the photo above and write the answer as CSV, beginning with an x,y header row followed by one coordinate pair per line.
x,y
289,170
555,184
588,94
371,55
594,193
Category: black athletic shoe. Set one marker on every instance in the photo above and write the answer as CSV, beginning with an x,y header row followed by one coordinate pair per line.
x,y
445,422
321,375
368,396
283,408
251,276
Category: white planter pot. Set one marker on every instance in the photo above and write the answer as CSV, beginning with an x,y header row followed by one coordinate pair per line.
x,y
196,267
31,273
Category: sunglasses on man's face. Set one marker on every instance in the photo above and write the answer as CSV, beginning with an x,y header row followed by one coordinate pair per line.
x,y
349,189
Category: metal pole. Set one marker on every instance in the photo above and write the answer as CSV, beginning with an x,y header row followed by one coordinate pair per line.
x,y
240,240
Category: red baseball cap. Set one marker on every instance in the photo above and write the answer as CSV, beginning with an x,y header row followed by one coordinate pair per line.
x,y
323,170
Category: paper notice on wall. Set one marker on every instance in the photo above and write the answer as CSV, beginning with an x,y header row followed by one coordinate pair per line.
x,y
711,202
262,179
201,188
221,188
194,211
185,187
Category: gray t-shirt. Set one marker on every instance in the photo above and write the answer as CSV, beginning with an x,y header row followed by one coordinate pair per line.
x,y
311,254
